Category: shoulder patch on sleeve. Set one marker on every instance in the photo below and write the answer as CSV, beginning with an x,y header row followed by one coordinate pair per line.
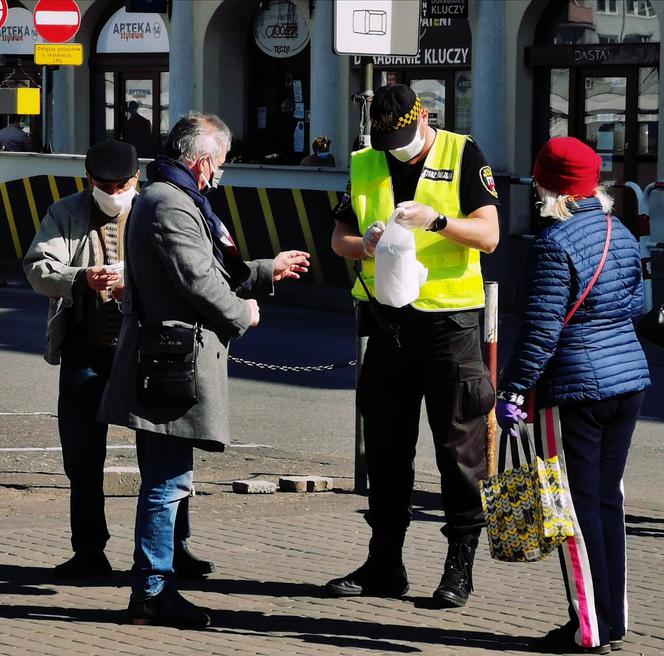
x,y
342,205
486,176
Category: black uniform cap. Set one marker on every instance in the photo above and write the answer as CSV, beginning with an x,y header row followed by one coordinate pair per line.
x,y
112,161
394,113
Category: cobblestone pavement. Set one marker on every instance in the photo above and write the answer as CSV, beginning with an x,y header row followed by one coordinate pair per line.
x,y
273,554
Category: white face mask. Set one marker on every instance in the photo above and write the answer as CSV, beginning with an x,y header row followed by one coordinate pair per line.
x,y
114,204
214,182
410,150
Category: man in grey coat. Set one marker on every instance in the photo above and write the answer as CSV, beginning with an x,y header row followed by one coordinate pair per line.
x,y
183,270
71,261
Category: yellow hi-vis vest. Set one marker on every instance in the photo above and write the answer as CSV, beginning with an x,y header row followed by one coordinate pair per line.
x,y
455,277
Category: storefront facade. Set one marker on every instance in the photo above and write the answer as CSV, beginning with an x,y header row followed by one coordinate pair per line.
x,y
511,73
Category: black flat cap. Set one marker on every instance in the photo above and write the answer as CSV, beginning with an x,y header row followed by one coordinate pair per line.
x,y
394,113
112,161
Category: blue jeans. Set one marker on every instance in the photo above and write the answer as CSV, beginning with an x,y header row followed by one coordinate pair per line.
x,y
166,465
84,372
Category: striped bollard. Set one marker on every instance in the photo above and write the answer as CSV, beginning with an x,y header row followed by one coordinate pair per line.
x,y
491,356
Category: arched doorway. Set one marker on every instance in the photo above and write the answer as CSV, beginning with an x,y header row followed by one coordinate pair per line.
x,y
130,80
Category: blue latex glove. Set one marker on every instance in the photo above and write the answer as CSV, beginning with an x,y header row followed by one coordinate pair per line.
x,y
508,414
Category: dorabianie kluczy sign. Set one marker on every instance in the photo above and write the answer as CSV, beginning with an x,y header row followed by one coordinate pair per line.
x,y
445,8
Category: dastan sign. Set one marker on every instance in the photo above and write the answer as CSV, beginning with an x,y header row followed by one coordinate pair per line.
x,y
444,42
281,28
133,32
445,8
18,35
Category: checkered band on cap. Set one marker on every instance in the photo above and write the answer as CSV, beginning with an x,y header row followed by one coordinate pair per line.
x,y
410,116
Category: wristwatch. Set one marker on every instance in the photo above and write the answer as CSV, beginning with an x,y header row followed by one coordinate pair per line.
x,y
438,224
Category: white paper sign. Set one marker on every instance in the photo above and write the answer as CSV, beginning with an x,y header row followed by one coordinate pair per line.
x,y
377,27
299,110
297,90
298,137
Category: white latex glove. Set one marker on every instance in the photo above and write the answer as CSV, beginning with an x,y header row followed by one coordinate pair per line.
x,y
372,236
412,214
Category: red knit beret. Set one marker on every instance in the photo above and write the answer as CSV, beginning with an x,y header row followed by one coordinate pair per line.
x,y
567,166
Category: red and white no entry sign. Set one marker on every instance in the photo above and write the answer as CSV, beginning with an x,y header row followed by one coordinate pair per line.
x,y
3,12
57,20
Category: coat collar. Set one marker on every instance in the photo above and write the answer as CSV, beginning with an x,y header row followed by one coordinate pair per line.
x,y
585,204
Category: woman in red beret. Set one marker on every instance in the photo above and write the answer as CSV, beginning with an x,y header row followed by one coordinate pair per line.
x,y
577,345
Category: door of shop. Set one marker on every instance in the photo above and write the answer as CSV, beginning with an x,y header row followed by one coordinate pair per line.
x,y
616,114
613,110
135,108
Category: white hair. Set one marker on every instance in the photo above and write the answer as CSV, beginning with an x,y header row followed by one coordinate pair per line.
x,y
557,206
195,135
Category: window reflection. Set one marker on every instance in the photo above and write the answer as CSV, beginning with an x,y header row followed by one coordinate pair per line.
x,y
559,103
605,21
648,110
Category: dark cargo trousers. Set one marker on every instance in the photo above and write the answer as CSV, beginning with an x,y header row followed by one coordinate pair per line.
x,y
439,360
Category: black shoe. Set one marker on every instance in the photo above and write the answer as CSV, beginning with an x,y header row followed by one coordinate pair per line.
x,y
168,608
616,644
371,579
186,565
82,564
457,581
561,641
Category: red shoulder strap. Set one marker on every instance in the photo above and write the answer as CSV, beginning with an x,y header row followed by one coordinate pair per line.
x,y
586,291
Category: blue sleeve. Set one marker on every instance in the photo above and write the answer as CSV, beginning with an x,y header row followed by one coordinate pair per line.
x,y
542,316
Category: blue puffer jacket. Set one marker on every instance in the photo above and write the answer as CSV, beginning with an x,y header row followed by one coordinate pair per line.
x,y
597,355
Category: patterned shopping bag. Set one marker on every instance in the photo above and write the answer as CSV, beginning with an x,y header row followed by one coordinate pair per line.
x,y
526,508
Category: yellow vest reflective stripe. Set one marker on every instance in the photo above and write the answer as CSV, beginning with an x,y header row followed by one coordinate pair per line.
x,y
455,277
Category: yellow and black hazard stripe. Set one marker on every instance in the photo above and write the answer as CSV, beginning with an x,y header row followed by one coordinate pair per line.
x,y
263,221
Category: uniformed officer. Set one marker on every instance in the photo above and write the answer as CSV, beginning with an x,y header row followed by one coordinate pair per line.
x,y
444,191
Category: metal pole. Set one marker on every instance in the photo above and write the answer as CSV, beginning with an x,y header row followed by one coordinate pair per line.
x,y
361,486
44,108
368,95
491,349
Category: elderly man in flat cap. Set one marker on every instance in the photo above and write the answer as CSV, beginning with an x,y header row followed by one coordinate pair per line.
x,y
76,260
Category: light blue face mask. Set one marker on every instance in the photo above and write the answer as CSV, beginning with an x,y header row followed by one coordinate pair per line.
x,y
324,154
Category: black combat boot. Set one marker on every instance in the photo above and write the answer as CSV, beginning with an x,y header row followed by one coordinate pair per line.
x,y
457,582
382,575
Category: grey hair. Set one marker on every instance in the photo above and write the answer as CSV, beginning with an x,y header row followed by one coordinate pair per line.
x,y
557,206
195,135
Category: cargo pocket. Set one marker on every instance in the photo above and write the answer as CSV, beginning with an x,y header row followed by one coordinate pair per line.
x,y
475,393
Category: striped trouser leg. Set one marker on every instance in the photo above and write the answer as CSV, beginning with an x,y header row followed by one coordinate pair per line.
x,y
575,561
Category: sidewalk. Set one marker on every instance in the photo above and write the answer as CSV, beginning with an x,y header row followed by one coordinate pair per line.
x,y
273,554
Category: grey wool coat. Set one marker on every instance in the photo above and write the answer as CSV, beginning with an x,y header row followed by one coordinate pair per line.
x,y
177,278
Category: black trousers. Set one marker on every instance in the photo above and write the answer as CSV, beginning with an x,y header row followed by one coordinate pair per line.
x,y
595,440
440,361
84,372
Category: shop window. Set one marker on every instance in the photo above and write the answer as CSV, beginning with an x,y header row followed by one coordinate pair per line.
x,y
559,103
280,82
604,21
18,37
130,82
607,6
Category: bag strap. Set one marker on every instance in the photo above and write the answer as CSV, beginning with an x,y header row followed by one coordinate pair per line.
x,y
521,446
586,291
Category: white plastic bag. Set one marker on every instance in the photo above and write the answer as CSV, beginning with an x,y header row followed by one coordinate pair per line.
x,y
399,275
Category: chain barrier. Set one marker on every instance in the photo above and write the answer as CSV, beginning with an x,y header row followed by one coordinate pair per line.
x,y
292,368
